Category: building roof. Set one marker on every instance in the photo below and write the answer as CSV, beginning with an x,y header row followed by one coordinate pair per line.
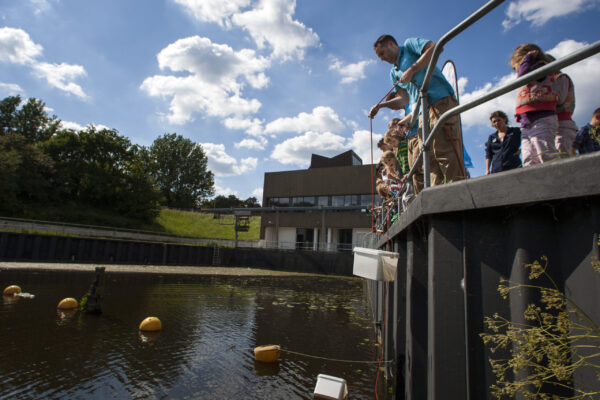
x,y
346,159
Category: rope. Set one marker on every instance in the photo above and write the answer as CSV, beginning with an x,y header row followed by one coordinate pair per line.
x,y
372,181
382,338
334,359
319,357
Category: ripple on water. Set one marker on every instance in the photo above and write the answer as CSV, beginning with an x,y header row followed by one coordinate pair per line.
x,y
210,326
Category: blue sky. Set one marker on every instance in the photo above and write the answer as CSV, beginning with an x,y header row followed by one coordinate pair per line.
x,y
264,84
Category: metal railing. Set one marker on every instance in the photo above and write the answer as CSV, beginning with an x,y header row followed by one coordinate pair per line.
x,y
428,136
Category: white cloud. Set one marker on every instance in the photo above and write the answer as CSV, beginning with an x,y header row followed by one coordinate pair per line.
x,y
322,119
350,72
258,193
214,87
40,6
462,84
480,114
61,75
16,47
77,127
538,12
271,23
10,89
251,144
360,142
585,75
298,150
252,126
222,164
218,11
223,191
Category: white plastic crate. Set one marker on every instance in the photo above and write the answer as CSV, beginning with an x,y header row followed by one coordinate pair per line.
x,y
330,387
369,263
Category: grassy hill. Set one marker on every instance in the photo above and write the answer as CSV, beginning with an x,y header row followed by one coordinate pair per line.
x,y
197,225
180,223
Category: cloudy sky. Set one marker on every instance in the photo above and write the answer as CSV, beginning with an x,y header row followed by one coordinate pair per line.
x,y
262,84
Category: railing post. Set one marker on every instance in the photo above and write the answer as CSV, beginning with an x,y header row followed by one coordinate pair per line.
x,y
425,133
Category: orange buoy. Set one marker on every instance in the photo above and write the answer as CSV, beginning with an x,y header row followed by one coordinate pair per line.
x,y
68,304
151,324
268,354
12,289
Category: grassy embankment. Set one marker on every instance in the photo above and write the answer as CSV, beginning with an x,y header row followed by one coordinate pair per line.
x,y
180,223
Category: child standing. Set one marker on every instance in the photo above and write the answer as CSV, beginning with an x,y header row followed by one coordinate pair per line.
x,y
396,138
536,107
567,129
588,137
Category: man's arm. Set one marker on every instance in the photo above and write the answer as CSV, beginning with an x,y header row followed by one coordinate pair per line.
x,y
393,101
418,65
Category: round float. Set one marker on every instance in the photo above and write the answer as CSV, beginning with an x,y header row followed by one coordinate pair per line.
x,y
12,289
150,324
267,354
68,304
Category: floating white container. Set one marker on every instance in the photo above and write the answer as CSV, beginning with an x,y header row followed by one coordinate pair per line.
x,y
377,265
330,387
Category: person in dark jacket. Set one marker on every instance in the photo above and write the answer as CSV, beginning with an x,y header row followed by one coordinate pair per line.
x,y
502,148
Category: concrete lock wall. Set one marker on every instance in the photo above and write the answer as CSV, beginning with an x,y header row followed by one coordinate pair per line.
x,y
46,248
455,243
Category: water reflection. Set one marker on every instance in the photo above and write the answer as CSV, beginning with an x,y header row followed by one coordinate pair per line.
x,y
210,324
65,316
148,337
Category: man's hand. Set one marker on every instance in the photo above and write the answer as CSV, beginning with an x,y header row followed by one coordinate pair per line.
x,y
374,111
407,75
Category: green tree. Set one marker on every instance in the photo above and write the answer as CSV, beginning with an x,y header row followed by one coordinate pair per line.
x,y
24,169
103,169
179,167
30,120
231,201
251,202
25,172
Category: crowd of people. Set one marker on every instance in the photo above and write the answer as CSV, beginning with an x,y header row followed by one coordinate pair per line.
x,y
544,110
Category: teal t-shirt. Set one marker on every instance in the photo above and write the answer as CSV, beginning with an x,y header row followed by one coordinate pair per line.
x,y
407,55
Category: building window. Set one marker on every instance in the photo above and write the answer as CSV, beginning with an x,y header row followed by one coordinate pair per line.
x,y
304,238
323,200
337,201
278,202
345,240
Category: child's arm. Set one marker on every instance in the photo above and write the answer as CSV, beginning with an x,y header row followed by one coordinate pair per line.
x,y
527,64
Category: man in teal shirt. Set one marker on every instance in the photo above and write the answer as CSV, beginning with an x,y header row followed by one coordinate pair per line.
x,y
409,65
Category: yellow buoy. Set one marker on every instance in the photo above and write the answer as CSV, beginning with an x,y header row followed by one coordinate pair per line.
x,y
12,289
68,304
268,353
150,324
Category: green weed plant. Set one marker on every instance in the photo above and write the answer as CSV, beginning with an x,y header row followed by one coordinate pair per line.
x,y
543,354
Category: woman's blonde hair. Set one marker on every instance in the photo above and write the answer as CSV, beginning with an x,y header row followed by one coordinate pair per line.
x,y
392,134
524,49
393,121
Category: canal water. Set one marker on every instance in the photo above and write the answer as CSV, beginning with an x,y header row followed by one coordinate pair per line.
x,y
204,351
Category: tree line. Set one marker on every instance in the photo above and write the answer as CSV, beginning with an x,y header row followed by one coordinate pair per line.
x,y
42,163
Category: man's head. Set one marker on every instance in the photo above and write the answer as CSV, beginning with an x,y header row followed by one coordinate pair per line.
x,y
386,48
596,117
